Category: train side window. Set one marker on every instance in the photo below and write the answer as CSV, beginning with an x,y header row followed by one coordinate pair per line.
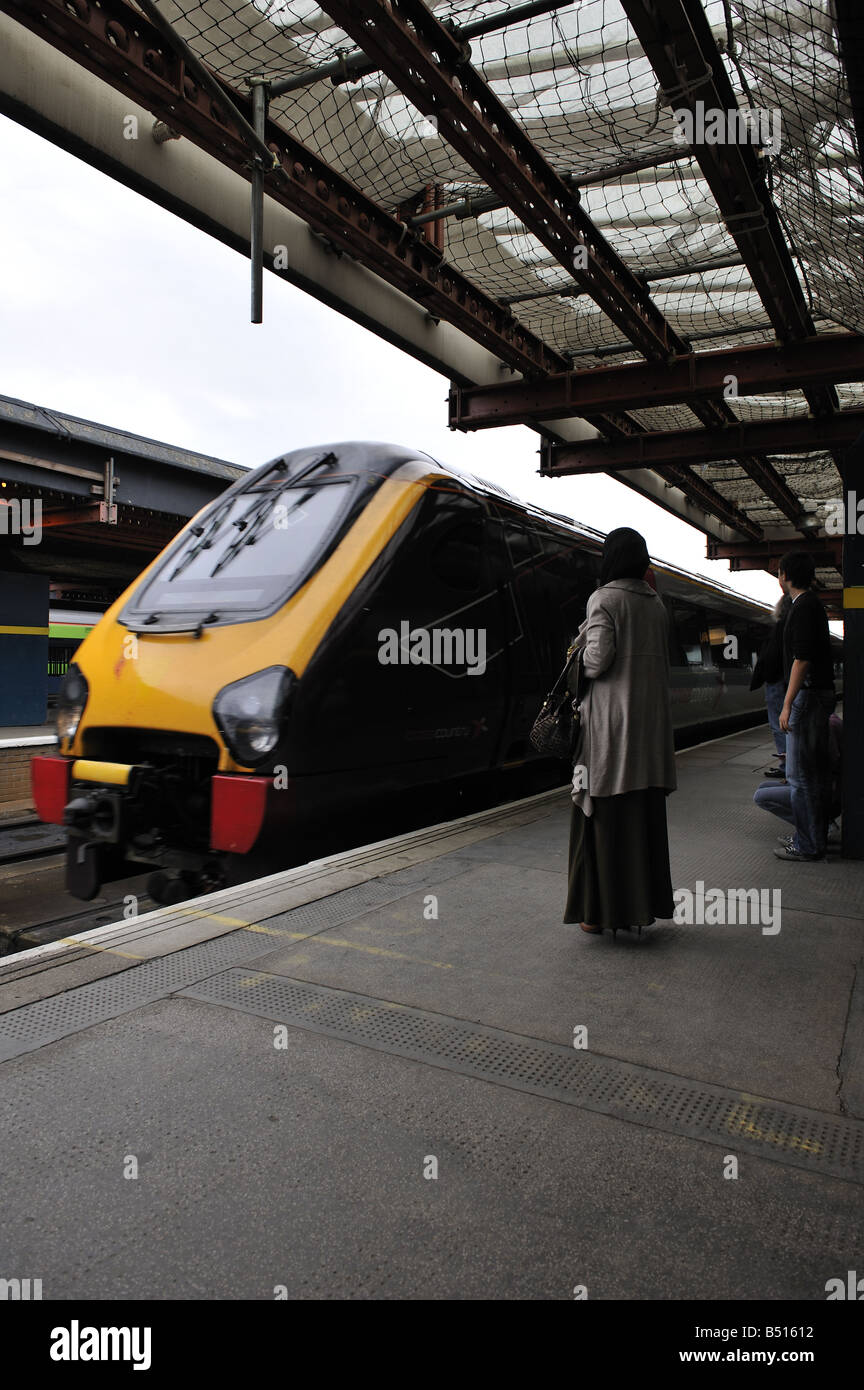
x,y
445,551
519,545
457,560
685,630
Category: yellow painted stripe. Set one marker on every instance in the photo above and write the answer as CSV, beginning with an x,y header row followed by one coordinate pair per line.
x,y
852,598
25,631
91,946
324,940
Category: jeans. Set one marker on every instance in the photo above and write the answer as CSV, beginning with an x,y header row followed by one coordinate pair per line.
x,y
775,797
808,769
775,694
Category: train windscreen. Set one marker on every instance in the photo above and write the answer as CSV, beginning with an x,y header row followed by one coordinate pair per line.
x,y
245,556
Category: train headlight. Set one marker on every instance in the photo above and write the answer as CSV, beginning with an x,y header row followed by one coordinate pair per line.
x,y
249,713
71,701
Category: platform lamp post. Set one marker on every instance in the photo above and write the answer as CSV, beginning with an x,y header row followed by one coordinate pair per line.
x,y
853,652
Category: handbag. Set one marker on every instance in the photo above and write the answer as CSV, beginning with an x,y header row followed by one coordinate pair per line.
x,y
556,727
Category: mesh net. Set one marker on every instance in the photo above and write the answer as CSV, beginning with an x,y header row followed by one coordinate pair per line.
x,y
579,84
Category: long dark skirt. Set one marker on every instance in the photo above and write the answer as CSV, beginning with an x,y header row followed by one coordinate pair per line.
x,y
619,862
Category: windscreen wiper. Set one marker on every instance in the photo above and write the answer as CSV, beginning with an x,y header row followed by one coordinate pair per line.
x,y
206,535
250,523
251,528
193,627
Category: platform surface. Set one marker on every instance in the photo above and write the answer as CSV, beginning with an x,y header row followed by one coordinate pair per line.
x,y
358,1079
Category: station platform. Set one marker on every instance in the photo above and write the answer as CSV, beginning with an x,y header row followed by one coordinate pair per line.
x,y
394,1074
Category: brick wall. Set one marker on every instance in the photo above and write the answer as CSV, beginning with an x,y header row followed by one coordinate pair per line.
x,y
15,772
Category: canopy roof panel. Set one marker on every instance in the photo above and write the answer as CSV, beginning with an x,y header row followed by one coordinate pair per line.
x,y
709,157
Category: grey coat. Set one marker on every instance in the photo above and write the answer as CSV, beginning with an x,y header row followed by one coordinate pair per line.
x,y
626,737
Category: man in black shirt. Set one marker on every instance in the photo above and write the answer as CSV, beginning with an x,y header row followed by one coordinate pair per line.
x,y
807,707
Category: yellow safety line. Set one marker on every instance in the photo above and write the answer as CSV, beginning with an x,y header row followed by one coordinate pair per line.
x,y
266,931
326,940
91,946
25,631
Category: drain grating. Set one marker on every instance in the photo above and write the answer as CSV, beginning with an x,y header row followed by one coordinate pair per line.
x,y
34,1025
825,1144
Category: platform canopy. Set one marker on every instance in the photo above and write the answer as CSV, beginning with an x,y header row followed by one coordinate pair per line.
x,y
556,181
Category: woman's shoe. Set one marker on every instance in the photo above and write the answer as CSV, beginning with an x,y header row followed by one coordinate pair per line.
x,y
594,931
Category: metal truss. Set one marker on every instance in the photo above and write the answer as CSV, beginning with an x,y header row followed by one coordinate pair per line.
x,y
759,555
757,369
432,68
797,435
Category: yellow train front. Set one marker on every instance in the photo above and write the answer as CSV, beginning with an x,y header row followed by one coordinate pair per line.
x,y
278,661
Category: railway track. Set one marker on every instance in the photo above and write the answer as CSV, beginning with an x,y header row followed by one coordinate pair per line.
x,y
29,839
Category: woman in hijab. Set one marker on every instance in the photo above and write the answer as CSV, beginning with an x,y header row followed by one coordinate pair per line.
x,y
625,761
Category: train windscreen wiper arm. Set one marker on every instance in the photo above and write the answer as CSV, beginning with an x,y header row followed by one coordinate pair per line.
x,y
251,528
206,535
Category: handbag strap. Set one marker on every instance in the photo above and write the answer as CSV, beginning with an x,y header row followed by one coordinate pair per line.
x,y
573,656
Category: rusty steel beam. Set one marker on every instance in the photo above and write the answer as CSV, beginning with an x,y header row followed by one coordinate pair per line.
x,y
424,60
678,41
757,369
96,512
683,52
430,66
764,554
796,435
116,43
850,33
704,494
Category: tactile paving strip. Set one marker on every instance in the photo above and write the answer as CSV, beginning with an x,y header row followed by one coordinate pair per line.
x,y
821,1143
47,1020
34,1025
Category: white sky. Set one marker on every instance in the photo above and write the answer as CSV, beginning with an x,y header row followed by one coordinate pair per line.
x,y
119,312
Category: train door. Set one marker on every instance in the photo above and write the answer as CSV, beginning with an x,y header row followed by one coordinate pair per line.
x,y
420,689
551,577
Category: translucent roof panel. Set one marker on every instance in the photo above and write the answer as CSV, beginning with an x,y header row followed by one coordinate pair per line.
x,y
580,86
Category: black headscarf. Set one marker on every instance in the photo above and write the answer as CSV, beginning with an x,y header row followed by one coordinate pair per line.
x,y
625,556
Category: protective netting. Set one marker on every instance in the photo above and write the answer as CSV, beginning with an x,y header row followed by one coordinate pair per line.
x,y
580,86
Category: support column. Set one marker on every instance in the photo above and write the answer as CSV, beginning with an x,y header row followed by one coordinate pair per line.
x,y
23,648
853,645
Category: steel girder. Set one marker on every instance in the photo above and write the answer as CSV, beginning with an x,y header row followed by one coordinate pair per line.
x,y
408,43
678,42
758,369
424,60
116,43
765,554
850,31
798,435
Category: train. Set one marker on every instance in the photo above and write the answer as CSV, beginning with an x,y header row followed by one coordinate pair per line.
x,y
344,623
67,628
